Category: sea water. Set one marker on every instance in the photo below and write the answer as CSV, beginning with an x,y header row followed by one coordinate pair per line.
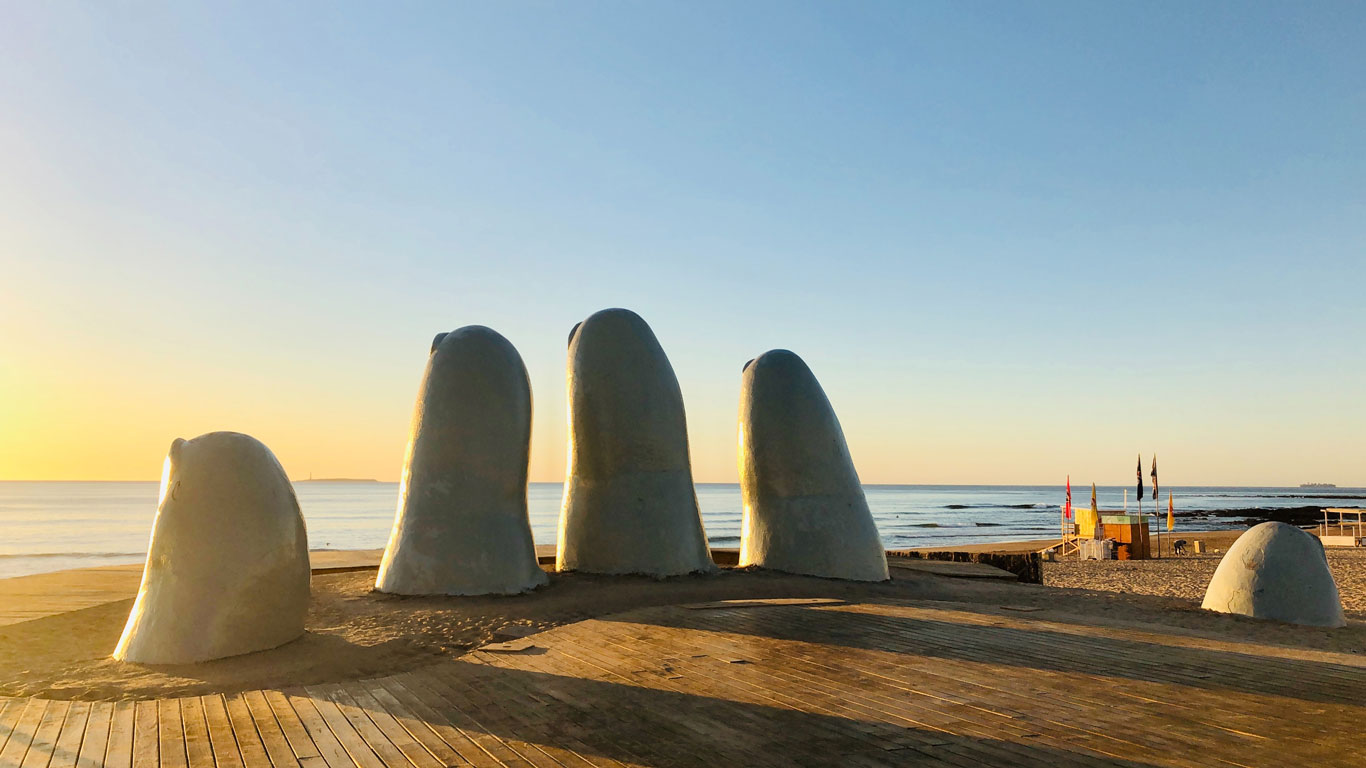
x,y
50,526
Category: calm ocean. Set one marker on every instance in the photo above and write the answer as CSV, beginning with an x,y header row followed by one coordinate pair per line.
x,y
54,526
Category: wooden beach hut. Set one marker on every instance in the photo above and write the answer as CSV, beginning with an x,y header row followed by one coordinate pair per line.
x,y
1129,533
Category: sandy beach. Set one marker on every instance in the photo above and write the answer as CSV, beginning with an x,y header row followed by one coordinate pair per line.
x,y
354,632
1186,576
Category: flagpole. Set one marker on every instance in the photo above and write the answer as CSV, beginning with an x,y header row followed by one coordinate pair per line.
x,y
1156,509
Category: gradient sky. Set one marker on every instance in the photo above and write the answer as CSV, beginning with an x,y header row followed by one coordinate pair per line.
x,y
1013,240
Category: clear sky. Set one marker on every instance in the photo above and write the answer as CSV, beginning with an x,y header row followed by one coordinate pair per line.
x,y
1013,240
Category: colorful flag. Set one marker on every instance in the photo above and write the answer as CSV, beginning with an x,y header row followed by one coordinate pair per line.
x,y
1171,518
1067,512
1154,476
1140,479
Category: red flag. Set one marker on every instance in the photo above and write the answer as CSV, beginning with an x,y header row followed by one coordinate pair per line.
x,y
1068,510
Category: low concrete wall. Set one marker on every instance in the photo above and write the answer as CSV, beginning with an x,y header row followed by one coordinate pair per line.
x,y
1027,566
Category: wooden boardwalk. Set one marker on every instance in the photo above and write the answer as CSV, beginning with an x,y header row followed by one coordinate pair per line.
x,y
766,683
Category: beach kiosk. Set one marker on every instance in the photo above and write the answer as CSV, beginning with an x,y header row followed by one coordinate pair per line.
x,y
1130,533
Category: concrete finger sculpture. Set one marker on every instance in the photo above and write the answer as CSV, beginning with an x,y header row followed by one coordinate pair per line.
x,y
461,527
804,509
629,504
1279,572
227,569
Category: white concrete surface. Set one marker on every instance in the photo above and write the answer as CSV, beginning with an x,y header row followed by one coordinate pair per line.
x,y
1279,572
461,527
629,503
804,508
227,569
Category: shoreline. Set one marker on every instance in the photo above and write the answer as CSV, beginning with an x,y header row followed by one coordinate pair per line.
x,y
31,596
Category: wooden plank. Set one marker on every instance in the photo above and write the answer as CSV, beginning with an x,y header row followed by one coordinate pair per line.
x,y
628,733
563,721
198,747
509,724
222,740
732,730
40,749
96,737
345,733
10,710
146,740
1101,708
953,674
441,724
12,755
520,707
330,750
68,747
272,736
728,730
414,725
476,722
858,704
119,753
388,753
244,730
171,734
846,703
421,687
296,733
396,734
815,683
983,745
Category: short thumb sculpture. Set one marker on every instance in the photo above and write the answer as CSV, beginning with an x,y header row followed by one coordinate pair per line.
x,y
1276,571
629,504
461,527
227,568
804,509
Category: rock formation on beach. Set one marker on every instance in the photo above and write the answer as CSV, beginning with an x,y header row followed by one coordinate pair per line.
x,y
629,504
804,508
1276,571
227,569
461,527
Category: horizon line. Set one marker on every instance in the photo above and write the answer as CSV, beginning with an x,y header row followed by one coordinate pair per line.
x,y
736,482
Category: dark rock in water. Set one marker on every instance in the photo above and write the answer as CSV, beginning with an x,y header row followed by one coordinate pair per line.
x,y
1300,516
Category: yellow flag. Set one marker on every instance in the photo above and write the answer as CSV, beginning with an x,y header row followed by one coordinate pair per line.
x,y
1171,519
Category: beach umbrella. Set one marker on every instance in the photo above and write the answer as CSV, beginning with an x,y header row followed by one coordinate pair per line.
x,y
1171,517
1154,477
1068,511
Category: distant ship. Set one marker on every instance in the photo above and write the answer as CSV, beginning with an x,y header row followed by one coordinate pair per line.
x,y
1317,485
